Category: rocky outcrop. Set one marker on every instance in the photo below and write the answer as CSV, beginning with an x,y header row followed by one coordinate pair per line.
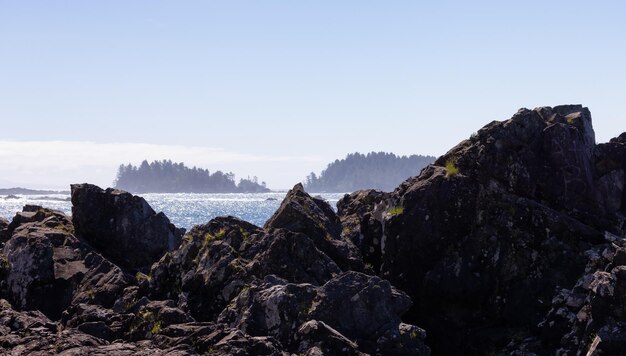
x,y
123,227
77,296
49,268
4,233
482,239
32,333
303,317
314,217
362,216
276,282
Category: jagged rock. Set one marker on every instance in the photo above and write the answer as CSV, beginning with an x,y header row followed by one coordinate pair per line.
x,y
588,318
217,260
102,283
292,256
483,238
32,333
49,268
121,226
45,264
353,313
34,213
154,316
206,272
362,214
610,164
299,212
4,231
318,338
218,270
97,321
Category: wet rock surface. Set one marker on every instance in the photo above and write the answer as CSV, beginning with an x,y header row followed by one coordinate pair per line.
x,y
513,242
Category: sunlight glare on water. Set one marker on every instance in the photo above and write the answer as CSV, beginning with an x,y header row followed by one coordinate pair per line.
x,y
183,209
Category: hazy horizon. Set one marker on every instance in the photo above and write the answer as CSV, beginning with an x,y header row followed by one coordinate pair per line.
x,y
280,89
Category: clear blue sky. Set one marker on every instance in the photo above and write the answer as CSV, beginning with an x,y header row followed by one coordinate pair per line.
x,y
291,84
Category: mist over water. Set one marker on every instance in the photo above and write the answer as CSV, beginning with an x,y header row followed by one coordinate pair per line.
x,y
183,209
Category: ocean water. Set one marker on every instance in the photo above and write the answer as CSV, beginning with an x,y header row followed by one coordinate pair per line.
x,y
183,210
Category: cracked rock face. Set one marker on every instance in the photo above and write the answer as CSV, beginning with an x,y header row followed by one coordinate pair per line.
x,y
482,238
123,227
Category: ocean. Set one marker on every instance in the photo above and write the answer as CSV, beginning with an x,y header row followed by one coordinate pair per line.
x,y
183,209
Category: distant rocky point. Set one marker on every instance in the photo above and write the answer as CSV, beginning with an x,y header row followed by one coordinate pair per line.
x,y
25,191
512,243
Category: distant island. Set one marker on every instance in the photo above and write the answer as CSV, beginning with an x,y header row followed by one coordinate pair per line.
x,y
168,177
25,191
375,170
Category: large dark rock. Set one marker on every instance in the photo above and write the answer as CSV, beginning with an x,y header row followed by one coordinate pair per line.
x,y
314,217
49,268
32,333
121,226
483,238
208,270
218,259
362,214
351,314
264,282
4,233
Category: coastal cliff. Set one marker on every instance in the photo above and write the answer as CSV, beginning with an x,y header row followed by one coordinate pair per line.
x,y
510,243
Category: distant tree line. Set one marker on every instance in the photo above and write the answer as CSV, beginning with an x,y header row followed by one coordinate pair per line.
x,y
375,170
168,177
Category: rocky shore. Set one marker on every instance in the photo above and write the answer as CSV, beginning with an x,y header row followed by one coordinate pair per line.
x,y
512,243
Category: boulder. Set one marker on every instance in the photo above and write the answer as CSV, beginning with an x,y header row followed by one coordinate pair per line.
x,y
121,226
483,238
4,231
305,318
217,260
32,333
44,261
49,268
314,217
207,271
362,215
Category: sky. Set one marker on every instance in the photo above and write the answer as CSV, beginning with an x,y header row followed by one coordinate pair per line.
x,y
277,89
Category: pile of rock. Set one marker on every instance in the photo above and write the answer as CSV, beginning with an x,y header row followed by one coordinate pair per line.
x,y
228,287
487,237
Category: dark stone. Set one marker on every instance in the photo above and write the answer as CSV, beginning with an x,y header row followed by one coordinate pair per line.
x,y
482,239
49,268
353,312
121,226
217,260
32,333
299,212
4,231
362,214
45,264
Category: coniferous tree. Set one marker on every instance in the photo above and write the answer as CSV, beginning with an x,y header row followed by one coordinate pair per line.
x,y
375,170
168,177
